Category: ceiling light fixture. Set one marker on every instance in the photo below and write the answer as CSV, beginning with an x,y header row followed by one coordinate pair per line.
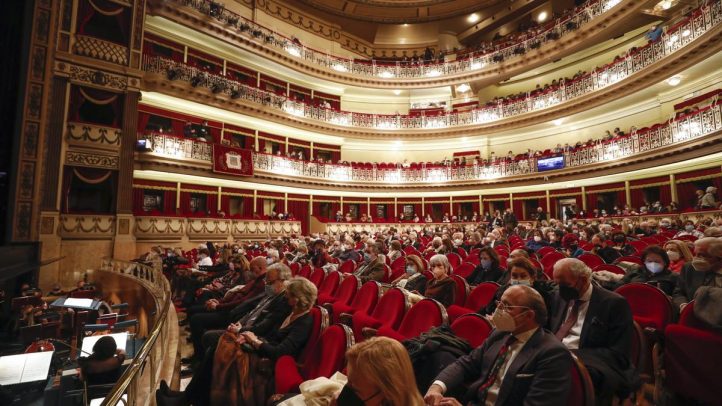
x,y
397,91
558,122
463,88
666,4
542,16
473,18
674,80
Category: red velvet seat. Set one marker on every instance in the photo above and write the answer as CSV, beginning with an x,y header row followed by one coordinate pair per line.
x,y
422,316
320,322
388,312
473,328
326,357
345,292
473,259
692,358
398,263
364,301
454,259
582,391
347,267
591,260
465,269
295,268
609,267
462,290
650,306
462,253
317,276
638,245
545,250
549,260
478,298
689,238
387,274
330,284
305,271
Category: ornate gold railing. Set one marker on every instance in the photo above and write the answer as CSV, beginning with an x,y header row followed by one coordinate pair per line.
x,y
140,379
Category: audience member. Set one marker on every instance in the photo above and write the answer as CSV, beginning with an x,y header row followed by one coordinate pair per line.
x,y
488,269
705,269
442,287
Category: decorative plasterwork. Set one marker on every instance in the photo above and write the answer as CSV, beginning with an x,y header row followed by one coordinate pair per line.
x,y
159,228
94,77
176,228
100,49
94,227
91,160
94,136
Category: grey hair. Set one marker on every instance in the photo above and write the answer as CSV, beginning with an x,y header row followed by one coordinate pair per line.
x,y
576,267
713,244
273,254
284,272
303,290
440,259
534,301
713,232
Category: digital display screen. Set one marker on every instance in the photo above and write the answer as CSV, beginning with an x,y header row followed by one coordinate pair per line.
x,y
548,164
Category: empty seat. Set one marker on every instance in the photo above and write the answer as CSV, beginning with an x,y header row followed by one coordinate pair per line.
x,y
473,328
364,301
330,284
388,312
478,298
317,277
591,260
650,306
422,316
345,292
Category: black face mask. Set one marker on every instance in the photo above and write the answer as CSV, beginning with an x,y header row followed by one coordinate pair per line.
x,y
568,293
348,397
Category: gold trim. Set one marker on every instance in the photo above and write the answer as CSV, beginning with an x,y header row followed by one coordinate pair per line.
x,y
687,180
648,185
137,186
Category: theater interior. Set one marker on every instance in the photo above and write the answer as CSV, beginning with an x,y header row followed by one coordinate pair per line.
x,y
216,202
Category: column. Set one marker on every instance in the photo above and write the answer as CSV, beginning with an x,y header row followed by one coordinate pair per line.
x,y
673,188
124,242
627,193
584,198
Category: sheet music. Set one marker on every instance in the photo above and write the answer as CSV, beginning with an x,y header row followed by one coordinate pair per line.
x,y
11,369
37,365
88,342
75,302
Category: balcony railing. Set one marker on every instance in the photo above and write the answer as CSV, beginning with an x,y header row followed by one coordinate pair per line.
x,y
694,125
695,25
405,70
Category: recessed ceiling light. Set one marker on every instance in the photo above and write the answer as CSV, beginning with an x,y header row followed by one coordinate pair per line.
x,y
674,80
558,121
542,16
405,25
666,4
397,92
463,88
473,18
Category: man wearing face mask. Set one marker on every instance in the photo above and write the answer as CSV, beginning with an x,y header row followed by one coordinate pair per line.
x,y
705,269
519,364
596,324
374,266
348,253
689,229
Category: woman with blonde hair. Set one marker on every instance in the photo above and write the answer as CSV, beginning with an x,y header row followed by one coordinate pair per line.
x,y
379,374
678,253
413,279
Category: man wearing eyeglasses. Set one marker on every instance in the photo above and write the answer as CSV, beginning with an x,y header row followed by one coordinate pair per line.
x,y
519,364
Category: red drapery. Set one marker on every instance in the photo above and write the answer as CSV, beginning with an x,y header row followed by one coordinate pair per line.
x,y
138,200
169,202
79,95
100,18
299,208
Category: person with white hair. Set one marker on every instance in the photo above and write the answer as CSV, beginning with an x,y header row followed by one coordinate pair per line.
x,y
597,324
705,269
709,200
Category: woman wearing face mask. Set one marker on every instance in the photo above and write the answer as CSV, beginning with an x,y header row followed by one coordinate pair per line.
x,y
413,279
655,271
678,253
442,288
521,271
690,229
379,374
488,269
619,243
537,241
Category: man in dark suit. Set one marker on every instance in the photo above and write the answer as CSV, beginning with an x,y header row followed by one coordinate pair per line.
x,y
374,266
597,325
519,364
540,215
704,270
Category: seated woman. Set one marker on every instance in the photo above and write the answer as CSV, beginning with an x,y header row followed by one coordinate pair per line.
x,y
379,373
655,271
413,279
488,269
442,288
521,271
103,365
238,376
394,250
678,253
537,241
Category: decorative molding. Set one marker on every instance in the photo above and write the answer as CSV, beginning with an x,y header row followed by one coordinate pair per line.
x,y
159,228
87,76
100,49
95,136
202,229
81,227
91,160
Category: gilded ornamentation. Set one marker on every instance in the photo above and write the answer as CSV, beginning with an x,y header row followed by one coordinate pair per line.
x,y
47,225
30,140
100,49
83,133
37,63
83,75
23,218
26,180
86,226
91,160
35,99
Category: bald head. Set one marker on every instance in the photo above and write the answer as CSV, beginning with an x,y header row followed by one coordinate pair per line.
x,y
258,266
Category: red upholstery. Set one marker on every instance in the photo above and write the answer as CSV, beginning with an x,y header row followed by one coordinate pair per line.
x,y
651,307
473,259
345,293
465,269
320,322
462,290
305,271
330,284
422,316
478,298
629,258
295,267
609,267
317,277
690,238
398,263
692,358
638,245
347,267
325,358
462,253
582,391
364,301
545,250
387,274
687,318
454,259
389,311
473,328
410,250
549,260
591,260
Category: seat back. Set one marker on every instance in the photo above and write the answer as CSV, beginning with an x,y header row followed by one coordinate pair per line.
x,y
473,328
609,267
545,250
305,271
549,260
454,259
629,258
691,362
582,391
329,353
317,277
481,295
591,260
348,288
295,268
398,263
330,284
424,315
347,267
638,245
687,318
462,290
391,307
650,306
367,297
465,269
320,323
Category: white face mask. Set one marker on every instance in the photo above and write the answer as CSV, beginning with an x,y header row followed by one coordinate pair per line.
x,y
673,255
654,267
537,238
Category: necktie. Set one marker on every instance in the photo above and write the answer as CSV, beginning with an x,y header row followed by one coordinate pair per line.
x,y
498,362
570,321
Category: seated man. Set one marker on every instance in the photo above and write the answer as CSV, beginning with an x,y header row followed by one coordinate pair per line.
x,y
597,325
374,267
704,270
520,362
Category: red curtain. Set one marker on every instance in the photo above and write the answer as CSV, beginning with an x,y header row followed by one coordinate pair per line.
x,y
138,200
169,202
518,208
299,209
592,201
665,194
261,145
185,203
637,196
105,13
143,119
212,203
